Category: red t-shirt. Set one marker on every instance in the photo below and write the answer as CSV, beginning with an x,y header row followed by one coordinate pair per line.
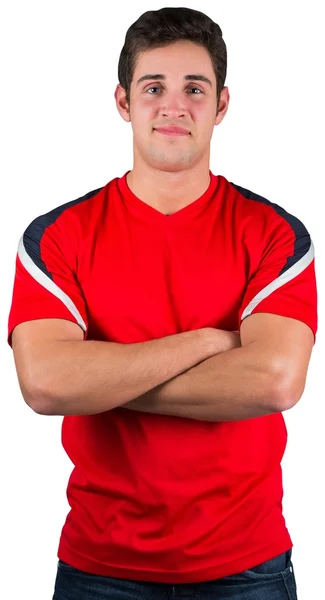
x,y
153,497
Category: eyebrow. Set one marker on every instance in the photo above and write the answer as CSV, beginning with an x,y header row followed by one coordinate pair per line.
x,y
196,77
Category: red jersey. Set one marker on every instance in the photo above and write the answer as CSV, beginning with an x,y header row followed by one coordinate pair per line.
x,y
153,497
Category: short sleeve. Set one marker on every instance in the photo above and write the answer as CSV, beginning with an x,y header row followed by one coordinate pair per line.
x,y
284,282
45,285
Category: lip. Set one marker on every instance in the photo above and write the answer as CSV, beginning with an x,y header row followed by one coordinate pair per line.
x,y
172,130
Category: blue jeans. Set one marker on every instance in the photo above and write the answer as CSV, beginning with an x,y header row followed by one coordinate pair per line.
x,y
271,580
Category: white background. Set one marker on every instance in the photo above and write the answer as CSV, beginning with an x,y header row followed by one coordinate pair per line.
x,y
61,137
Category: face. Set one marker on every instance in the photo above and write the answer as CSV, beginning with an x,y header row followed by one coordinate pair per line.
x,y
173,106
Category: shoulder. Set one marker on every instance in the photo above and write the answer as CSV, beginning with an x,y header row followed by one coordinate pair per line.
x,y
74,207
259,210
62,229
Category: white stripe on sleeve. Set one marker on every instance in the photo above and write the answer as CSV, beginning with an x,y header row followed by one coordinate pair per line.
x,y
295,270
48,283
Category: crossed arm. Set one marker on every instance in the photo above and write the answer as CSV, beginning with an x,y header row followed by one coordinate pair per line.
x,y
267,374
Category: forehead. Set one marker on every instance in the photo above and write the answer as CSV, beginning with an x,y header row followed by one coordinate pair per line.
x,y
180,58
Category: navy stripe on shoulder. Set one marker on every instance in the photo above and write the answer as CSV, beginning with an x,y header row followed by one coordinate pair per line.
x,y
302,242
32,236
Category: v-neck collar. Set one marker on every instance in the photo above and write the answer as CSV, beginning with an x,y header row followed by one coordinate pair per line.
x,y
181,215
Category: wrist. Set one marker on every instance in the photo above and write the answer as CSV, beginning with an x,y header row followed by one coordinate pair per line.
x,y
220,340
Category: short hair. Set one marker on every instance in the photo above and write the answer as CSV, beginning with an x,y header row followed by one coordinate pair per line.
x,y
158,28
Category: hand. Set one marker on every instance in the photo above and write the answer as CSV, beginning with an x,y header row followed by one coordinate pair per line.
x,y
225,340
236,339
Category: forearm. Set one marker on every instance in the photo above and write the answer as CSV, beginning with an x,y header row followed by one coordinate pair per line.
x,y
89,377
230,386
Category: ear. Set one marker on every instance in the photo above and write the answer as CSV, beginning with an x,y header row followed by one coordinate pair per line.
x,y
121,103
223,105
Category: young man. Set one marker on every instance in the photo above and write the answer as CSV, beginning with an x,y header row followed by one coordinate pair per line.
x,y
126,309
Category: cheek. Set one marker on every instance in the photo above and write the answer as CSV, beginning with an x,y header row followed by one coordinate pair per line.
x,y
202,123
205,107
143,113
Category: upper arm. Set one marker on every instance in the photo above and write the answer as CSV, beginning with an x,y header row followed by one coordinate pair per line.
x,y
278,313
48,303
286,345
30,340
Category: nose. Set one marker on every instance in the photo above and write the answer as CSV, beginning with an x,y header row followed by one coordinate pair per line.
x,y
173,106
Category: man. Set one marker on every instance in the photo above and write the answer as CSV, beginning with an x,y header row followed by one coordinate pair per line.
x,y
125,315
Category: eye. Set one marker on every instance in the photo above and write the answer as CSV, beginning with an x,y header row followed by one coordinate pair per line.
x,y
153,87
196,90
192,90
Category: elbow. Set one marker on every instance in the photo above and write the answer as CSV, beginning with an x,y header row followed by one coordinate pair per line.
x,y
37,397
43,404
287,391
42,408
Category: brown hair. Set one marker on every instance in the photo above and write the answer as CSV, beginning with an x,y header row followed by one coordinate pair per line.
x,y
158,28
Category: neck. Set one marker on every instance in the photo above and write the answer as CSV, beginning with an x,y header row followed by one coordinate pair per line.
x,y
168,191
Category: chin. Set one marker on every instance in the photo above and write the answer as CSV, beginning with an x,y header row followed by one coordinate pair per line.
x,y
164,162
170,166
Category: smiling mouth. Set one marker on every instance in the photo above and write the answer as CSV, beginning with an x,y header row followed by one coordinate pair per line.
x,y
172,131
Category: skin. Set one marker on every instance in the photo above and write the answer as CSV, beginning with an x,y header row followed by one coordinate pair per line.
x,y
170,172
